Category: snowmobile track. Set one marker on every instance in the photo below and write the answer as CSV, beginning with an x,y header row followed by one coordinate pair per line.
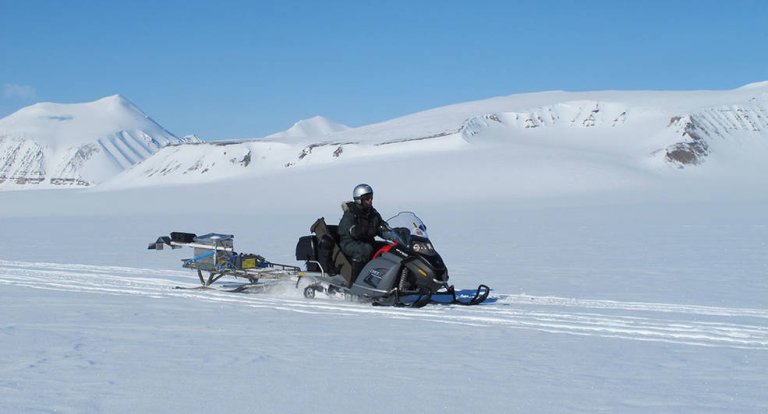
x,y
656,322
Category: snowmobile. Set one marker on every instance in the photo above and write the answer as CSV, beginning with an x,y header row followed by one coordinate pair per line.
x,y
405,271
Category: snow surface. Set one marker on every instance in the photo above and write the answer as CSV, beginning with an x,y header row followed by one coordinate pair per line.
x,y
600,303
616,288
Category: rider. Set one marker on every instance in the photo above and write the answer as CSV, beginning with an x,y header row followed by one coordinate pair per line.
x,y
359,225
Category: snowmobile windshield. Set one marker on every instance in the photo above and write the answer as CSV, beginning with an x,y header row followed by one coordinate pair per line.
x,y
409,221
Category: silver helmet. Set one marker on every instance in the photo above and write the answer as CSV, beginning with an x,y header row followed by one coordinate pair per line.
x,y
361,190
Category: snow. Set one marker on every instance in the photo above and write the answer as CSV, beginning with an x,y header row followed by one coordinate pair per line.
x,y
55,124
611,308
642,132
619,285
317,126
49,145
756,85
632,131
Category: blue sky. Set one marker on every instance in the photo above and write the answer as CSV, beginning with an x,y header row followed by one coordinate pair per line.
x,y
237,69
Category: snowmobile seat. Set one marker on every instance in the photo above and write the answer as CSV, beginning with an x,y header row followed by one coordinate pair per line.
x,y
329,252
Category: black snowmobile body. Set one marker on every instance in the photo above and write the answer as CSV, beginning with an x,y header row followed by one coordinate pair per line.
x,y
405,271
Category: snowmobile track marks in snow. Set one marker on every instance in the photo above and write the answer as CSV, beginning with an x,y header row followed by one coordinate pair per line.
x,y
655,322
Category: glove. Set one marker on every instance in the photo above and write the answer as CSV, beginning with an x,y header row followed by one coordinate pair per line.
x,y
386,232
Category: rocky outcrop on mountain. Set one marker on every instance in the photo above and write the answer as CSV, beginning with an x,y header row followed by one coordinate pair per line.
x,y
693,147
580,114
21,161
721,123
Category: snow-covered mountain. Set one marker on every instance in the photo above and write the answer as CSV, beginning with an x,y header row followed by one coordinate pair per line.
x,y
606,131
314,127
52,145
640,130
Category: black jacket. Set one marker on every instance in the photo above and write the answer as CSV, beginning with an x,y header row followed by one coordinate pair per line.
x,y
359,225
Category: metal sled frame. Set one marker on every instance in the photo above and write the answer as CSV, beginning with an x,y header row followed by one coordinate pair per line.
x,y
223,266
274,272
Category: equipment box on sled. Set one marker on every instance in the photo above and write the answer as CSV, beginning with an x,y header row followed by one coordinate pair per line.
x,y
214,252
249,261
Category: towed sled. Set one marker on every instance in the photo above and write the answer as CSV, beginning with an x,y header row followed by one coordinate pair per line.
x,y
214,254
405,271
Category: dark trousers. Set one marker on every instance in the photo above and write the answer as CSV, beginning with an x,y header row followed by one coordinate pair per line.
x,y
357,251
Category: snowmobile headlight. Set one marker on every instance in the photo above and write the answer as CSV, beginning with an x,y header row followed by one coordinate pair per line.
x,y
422,247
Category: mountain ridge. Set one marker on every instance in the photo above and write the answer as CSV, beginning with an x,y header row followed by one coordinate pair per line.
x,y
651,130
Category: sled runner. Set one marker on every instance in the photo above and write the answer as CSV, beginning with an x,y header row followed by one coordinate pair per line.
x,y
405,271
